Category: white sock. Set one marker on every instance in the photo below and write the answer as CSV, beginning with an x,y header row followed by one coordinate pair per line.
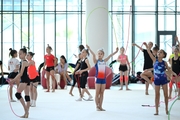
x,y
34,102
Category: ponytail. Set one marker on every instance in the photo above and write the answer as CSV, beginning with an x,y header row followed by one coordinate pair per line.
x,y
12,52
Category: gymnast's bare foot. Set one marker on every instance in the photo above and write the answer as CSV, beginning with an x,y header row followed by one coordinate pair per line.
x,y
121,89
167,111
71,93
102,109
128,89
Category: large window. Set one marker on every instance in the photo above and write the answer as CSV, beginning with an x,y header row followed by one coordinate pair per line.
x,y
36,23
147,17
121,29
61,24
144,32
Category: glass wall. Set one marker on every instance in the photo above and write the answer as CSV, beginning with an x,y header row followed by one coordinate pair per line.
x,y
121,28
147,18
36,23
61,24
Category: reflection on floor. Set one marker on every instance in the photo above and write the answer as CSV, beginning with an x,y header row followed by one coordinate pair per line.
x,y
119,105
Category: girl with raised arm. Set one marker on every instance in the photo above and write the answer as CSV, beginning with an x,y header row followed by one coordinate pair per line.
x,y
148,64
83,72
100,65
160,77
175,66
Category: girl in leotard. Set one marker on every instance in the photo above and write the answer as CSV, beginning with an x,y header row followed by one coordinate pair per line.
x,y
49,63
123,69
85,67
76,77
178,46
154,51
24,83
160,77
33,76
175,65
13,67
148,64
100,65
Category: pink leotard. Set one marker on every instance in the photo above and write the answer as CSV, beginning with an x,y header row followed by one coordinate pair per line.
x,y
123,59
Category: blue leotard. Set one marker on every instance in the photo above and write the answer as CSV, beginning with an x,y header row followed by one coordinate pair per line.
x,y
160,77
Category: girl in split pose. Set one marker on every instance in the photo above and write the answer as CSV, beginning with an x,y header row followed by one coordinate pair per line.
x,y
123,69
33,76
160,77
100,65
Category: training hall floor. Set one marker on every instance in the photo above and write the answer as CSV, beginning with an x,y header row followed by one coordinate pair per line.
x,y
119,105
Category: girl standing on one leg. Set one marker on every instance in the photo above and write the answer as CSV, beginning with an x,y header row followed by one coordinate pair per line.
x,y
160,77
75,77
49,62
13,67
124,71
24,83
175,65
154,51
85,67
100,84
148,64
33,76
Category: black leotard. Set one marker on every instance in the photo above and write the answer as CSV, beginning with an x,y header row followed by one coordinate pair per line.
x,y
84,75
176,65
25,77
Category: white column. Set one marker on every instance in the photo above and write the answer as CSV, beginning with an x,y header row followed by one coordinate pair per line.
x,y
97,26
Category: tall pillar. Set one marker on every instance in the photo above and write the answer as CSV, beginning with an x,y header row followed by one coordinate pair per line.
x,y
97,26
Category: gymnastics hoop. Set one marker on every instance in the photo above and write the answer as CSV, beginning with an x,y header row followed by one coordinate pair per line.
x,y
87,20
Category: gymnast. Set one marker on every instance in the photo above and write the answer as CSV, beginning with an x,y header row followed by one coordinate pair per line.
x,y
100,84
33,76
24,83
13,67
123,69
160,77
148,65
49,63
